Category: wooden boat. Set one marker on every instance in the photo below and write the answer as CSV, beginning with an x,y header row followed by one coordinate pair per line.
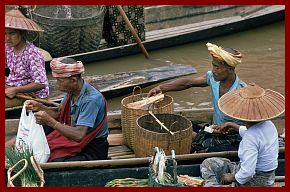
x,y
179,35
118,84
122,162
101,176
98,173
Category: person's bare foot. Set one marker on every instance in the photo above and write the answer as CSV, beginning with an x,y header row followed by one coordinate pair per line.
x,y
193,134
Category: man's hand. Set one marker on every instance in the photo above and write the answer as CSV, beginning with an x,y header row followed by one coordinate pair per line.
x,y
227,178
10,92
32,105
44,118
226,128
154,91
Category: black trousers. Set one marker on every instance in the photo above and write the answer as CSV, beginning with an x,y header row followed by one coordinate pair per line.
x,y
97,149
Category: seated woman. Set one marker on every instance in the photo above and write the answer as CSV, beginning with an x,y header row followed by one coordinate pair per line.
x,y
25,62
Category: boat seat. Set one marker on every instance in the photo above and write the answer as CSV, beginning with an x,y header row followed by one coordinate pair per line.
x,y
120,152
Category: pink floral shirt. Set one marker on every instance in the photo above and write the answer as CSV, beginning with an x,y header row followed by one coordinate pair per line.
x,y
26,67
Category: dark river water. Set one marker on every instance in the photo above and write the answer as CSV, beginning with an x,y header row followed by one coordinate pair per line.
x,y
263,62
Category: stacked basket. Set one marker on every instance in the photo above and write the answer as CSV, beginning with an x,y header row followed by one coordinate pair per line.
x,y
150,134
69,29
129,116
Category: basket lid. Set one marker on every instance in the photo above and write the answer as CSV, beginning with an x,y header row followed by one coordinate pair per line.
x,y
14,19
252,103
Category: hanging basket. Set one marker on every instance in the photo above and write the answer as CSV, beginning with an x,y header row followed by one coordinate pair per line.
x,y
69,29
150,135
129,115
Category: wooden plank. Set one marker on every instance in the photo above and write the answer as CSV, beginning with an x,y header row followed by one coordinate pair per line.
x,y
114,121
119,154
124,157
119,148
120,151
137,161
11,127
173,31
116,139
119,84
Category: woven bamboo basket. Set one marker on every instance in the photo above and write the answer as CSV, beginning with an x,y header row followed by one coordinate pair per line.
x,y
129,116
70,29
150,135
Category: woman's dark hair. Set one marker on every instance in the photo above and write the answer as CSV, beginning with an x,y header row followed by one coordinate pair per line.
x,y
23,34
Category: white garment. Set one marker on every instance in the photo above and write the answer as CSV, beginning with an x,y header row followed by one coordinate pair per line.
x,y
258,150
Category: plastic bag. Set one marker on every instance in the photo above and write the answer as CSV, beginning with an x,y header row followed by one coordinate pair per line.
x,y
31,135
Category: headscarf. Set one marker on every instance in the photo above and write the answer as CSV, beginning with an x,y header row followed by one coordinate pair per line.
x,y
60,69
222,55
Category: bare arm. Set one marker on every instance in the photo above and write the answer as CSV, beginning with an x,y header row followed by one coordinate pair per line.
x,y
32,105
31,87
180,84
52,111
74,133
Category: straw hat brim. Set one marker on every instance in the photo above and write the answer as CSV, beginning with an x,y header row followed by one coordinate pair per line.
x,y
269,105
14,19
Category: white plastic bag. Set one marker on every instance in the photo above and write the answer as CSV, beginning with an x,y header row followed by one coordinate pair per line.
x,y
31,135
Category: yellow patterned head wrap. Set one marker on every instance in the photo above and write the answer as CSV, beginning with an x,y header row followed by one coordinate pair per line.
x,y
220,54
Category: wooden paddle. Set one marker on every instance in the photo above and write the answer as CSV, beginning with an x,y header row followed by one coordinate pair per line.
x,y
44,101
128,23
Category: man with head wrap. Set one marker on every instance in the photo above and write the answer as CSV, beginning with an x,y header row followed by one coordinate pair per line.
x,y
221,79
79,125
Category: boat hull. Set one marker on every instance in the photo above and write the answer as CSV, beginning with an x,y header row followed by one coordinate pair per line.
x,y
100,176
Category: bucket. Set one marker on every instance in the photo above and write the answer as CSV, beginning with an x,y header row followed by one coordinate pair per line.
x,y
69,29
150,135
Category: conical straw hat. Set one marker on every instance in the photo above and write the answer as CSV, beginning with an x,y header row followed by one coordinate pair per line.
x,y
14,19
252,104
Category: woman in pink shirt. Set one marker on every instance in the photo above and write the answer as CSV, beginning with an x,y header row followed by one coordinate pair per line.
x,y
25,62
